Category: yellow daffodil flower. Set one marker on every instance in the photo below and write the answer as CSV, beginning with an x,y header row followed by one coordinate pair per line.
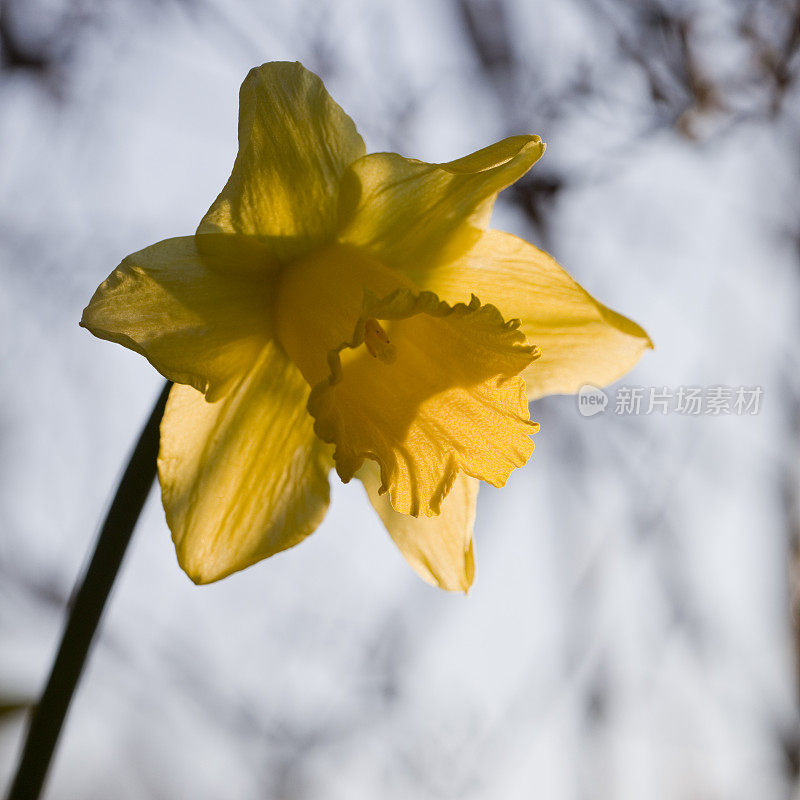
x,y
330,297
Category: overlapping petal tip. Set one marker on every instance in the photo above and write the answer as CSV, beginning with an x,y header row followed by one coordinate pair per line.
x,y
427,390
184,311
515,153
582,341
294,144
245,477
410,214
440,548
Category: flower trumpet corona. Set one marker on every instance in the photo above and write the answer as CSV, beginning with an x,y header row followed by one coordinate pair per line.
x,y
338,309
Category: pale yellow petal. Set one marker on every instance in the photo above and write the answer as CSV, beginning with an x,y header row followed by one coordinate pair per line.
x,y
439,548
185,312
294,144
245,477
427,390
408,213
582,341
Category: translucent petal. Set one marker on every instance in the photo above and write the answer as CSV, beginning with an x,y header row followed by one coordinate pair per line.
x,y
294,144
186,313
439,548
408,213
582,341
442,397
245,477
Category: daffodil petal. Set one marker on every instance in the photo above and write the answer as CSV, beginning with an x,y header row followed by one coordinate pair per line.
x,y
408,213
439,548
294,144
582,341
195,322
245,477
427,390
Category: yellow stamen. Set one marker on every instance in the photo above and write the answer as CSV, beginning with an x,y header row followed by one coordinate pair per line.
x,y
377,342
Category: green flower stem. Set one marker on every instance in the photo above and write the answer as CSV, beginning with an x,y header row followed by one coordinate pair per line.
x,y
87,608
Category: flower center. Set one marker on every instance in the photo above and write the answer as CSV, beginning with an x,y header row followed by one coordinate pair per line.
x,y
319,300
377,342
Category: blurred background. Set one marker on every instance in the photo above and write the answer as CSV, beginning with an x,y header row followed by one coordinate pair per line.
x,y
631,632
